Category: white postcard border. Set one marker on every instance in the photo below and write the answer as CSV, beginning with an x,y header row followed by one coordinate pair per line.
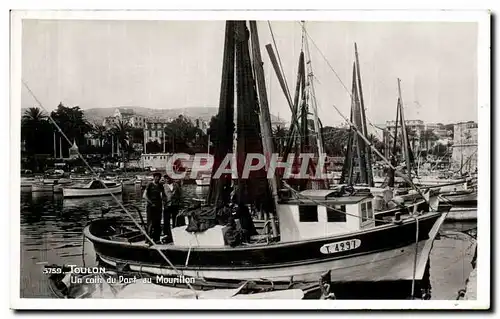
x,y
484,237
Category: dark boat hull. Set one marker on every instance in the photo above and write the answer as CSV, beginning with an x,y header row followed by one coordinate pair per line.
x,y
461,198
384,253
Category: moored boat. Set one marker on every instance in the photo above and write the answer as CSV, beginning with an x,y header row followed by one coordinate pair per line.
x,y
461,197
42,187
203,181
27,182
323,232
93,188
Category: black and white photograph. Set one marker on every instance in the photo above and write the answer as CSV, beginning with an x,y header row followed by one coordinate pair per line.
x,y
159,159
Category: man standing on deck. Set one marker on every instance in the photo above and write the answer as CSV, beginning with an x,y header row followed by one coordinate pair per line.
x,y
154,195
172,205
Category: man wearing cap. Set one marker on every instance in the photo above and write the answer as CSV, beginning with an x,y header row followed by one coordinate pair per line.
x,y
154,195
172,205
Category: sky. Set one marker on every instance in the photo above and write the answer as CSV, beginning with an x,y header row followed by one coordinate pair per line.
x,y
177,64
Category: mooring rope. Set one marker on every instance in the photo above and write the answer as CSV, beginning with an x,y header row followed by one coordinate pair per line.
x,y
83,250
415,259
179,273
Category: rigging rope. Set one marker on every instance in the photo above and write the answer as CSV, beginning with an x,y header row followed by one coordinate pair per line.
x,y
329,65
112,195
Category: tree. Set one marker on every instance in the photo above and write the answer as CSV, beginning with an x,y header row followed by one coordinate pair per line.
x,y
280,135
153,147
379,145
335,140
184,137
72,122
440,150
137,135
428,137
99,132
214,129
122,130
36,132
412,137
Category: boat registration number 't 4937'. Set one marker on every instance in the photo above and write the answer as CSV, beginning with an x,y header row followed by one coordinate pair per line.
x,y
340,246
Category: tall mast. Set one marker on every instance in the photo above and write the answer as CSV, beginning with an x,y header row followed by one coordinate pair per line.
x,y
265,116
310,74
360,145
393,159
405,133
60,148
364,130
314,105
55,148
347,168
225,127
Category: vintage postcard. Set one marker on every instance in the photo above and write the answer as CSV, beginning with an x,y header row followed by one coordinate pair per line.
x,y
173,159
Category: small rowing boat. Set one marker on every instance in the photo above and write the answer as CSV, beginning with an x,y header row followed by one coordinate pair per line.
x,y
93,188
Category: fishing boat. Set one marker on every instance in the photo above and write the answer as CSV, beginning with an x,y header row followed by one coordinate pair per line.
x,y
127,181
93,188
312,230
314,237
42,187
142,180
462,214
27,182
462,197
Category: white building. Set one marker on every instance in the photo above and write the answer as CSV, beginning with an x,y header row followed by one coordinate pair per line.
x,y
465,145
154,130
156,161
125,115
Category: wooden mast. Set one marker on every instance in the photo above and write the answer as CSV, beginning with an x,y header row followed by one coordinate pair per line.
x,y
265,116
392,159
360,145
314,105
254,189
347,168
364,130
219,191
404,132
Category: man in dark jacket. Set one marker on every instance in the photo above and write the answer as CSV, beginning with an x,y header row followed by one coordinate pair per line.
x,y
154,195
172,205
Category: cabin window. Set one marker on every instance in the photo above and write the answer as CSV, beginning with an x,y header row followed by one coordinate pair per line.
x,y
308,213
366,211
336,215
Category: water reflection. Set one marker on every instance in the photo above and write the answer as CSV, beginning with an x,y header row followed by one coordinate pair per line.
x,y
51,231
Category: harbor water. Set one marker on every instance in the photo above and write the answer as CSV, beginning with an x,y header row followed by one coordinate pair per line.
x,y
51,233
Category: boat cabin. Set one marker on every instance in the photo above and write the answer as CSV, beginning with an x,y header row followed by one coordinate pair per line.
x,y
301,219
323,213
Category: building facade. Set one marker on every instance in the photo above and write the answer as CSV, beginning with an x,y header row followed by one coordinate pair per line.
x,y
125,115
415,127
156,161
154,130
465,145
